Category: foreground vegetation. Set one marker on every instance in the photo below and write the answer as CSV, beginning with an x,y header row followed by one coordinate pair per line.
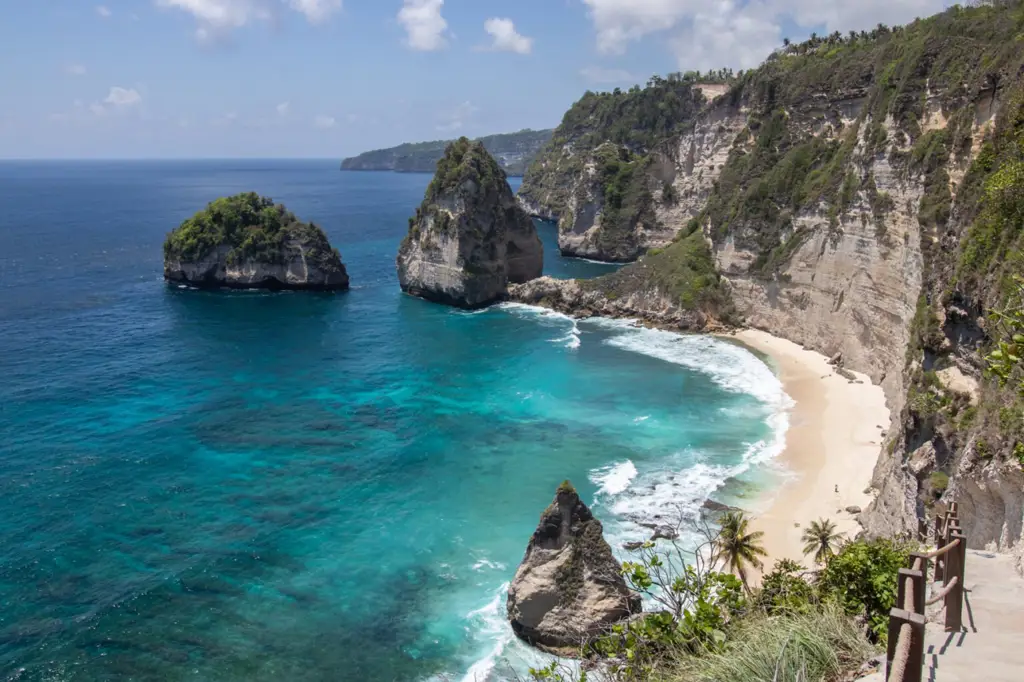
x,y
703,624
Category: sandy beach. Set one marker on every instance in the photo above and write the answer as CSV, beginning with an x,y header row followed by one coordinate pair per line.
x,y
833,441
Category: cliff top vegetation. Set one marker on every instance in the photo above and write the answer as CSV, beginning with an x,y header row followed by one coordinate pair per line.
x,y
463,161
254,227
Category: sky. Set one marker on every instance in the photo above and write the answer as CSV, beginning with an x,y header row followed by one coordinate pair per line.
x,y
332,78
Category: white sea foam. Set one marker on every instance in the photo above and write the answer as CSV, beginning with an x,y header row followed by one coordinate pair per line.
x,y
641,419
571,339
732,367
533,311
489,623
488,564
599,262
614,479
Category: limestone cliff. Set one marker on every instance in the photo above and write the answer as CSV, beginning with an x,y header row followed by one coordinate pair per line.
x,y
594,178
568,588
469,238
248,242
863,194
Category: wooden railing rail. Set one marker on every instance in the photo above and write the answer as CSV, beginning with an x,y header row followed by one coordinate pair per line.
x,y
905,651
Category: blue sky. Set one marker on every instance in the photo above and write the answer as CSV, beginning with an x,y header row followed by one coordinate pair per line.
x,y
330,78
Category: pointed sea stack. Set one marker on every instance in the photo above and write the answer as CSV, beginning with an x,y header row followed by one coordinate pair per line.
x,y
569,588
469,238
247,242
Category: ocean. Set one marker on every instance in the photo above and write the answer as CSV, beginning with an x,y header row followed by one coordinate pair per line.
x,y
295,486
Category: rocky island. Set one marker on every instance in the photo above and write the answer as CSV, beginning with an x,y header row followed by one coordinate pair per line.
x,y
568,588
469,238
248,242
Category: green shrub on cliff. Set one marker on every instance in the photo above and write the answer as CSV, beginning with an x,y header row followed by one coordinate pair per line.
x,y
684,272
253,227
465,161
861,578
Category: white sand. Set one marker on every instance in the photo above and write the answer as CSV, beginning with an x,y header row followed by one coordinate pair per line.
x,y
834,439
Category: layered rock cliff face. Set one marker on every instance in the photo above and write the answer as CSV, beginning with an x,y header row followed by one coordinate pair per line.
x,y
593,177
248,242
469,238
844,190
569,587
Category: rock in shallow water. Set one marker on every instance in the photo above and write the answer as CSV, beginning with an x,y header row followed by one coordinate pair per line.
x,y
568,588
469,238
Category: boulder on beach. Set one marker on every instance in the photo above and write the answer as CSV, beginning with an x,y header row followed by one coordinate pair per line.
x,y
569,587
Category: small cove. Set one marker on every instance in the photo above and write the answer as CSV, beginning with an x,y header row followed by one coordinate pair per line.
x,y
285,486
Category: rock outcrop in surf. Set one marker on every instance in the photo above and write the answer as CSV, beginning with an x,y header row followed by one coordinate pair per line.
x,y
569,587
248,242
469,238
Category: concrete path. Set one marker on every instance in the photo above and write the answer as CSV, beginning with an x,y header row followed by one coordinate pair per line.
x,y
991,646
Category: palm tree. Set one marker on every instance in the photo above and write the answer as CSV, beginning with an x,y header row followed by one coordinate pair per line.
x,y
821,539
738,547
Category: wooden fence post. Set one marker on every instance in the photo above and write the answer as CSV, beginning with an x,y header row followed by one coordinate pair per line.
x,y
941,540
955,598
917,577
913,669
923,565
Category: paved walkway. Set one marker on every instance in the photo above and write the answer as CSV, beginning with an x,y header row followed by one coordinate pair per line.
x,y
991,647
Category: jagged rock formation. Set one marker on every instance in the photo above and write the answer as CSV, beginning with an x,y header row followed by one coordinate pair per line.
x,y
248,242
593,177
569,588
513,151
863,195
469,238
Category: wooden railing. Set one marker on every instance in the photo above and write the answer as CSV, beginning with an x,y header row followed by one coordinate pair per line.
x,y
905,653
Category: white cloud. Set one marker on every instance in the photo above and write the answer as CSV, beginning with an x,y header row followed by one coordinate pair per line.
x,y
424,25
619,22
316,11
739,33
324,122
725,35
596,74
457,118
506,38
97,108
75,69
123,97
217,18
283,108
103,11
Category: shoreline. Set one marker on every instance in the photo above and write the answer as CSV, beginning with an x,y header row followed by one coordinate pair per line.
x,y
833,441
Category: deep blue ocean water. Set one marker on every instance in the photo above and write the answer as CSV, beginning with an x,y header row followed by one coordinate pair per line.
x,y
248,486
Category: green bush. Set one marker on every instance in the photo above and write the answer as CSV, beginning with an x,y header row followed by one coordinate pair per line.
x,y
939,481
861,578
782,590
253,227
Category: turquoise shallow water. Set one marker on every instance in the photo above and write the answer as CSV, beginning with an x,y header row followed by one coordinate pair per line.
x,y
245,486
